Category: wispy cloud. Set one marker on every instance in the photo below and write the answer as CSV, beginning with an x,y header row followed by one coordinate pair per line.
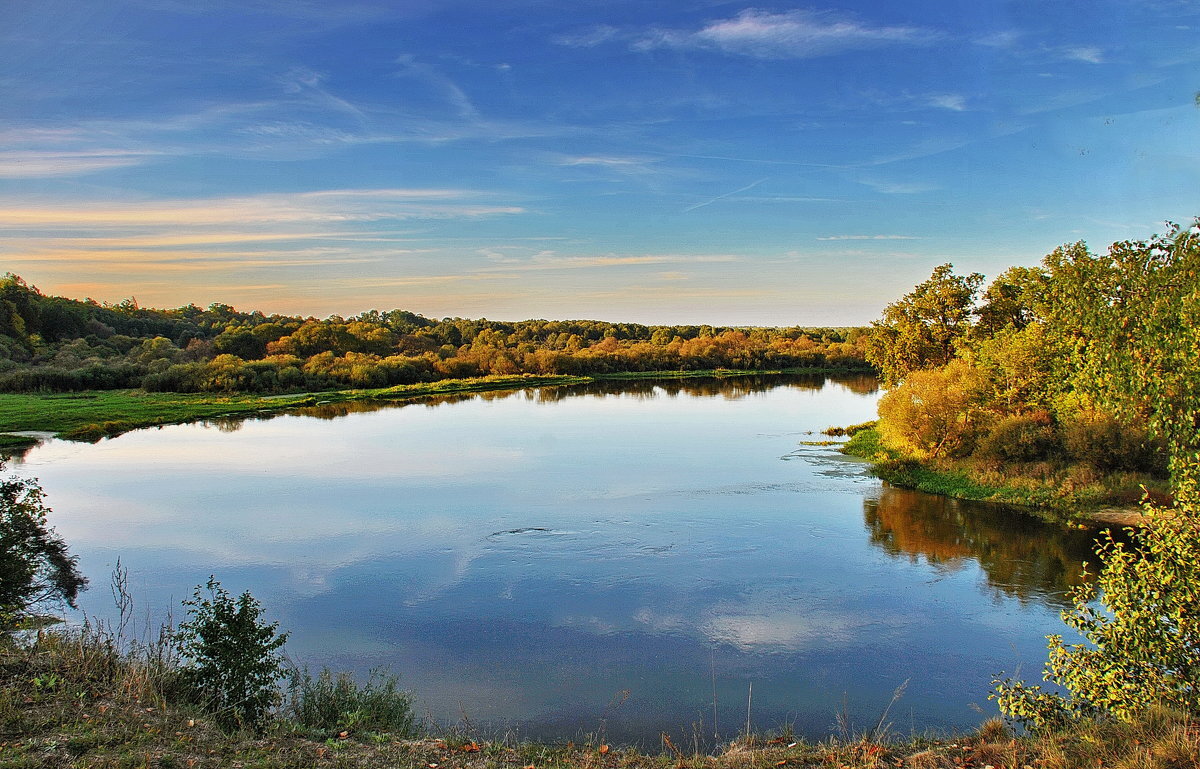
x,y
305,208
515,259
868,237
609,161
32,164
794,34
589,38
1088,53
951,101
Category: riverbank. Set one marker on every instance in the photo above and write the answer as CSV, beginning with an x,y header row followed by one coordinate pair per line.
x,y
1050,493
95,414
64,703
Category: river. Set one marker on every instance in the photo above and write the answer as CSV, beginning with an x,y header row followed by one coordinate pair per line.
x,y
609,560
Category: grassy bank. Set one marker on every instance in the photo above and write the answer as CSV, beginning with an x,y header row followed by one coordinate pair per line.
x,y
72,700
1055,493
95,414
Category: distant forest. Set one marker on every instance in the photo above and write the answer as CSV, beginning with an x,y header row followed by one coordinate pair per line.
x,y
55,344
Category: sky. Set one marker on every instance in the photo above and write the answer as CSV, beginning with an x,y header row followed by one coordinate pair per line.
x,y
734,163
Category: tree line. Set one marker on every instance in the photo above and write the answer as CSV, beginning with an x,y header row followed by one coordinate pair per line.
x,y
52,343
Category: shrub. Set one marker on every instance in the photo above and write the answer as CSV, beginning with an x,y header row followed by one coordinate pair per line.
x,y
933,413
1105,443
230,664
1021,438
1142,641
336,703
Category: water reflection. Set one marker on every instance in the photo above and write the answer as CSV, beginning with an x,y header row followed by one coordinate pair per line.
x,y
523,556
1021,556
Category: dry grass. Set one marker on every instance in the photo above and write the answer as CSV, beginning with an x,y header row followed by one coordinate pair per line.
x,y
75,699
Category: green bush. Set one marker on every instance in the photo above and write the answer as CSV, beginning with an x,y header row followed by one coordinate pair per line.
x,y
1140,621
337,703
1105,443
1021,438
230,661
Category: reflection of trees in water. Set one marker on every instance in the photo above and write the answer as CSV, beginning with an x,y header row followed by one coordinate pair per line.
x,y
729,388
1021,556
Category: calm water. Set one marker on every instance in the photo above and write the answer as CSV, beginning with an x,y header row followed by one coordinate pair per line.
x,y
564,561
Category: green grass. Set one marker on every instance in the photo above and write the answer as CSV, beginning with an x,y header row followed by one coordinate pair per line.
x,y
1049,492
95,414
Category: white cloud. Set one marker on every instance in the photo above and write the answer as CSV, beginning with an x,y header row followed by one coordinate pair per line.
x,y
1090,54
951,101
590,38
325,206
868,237
789,35
30,164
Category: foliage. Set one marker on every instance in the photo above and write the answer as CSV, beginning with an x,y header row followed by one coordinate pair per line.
x,y
922,329
1021,438
231,664
35,567
1129,321
1141,641
51,344
933,413
337,703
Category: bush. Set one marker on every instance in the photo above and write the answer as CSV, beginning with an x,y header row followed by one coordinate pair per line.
x,y
230,664
337,703
35,567
934,413
1142,640
1103,442
1021,438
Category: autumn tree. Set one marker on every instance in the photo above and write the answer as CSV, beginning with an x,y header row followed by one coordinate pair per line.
x,y
922,329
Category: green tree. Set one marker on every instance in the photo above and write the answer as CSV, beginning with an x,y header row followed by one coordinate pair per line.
x,y
1010,300
922,329
35,567
1129,323
230,655
1141,637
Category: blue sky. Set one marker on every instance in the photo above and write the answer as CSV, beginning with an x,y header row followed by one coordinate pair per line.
x,y
726,162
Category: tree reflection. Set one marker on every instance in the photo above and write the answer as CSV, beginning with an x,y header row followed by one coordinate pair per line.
x,y
1021,556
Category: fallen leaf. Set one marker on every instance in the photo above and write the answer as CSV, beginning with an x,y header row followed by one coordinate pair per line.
x,y
781,763
343,735
603,749
470,747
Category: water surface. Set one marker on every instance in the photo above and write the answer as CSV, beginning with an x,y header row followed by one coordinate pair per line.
x,y
563,561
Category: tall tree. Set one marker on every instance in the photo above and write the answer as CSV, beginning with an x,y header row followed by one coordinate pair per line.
x,y
922,329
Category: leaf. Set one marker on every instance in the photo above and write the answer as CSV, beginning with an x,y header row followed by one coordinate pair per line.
x,y
603,749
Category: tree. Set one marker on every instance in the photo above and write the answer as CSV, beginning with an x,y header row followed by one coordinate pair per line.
x,y
922,329
35,567
1129,322
1141,643
1010,300
230,656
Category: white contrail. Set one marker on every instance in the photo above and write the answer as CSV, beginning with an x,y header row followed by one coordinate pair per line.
x,y
749,186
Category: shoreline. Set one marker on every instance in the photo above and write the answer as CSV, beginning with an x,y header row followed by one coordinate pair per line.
x,y
911,473
28,418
